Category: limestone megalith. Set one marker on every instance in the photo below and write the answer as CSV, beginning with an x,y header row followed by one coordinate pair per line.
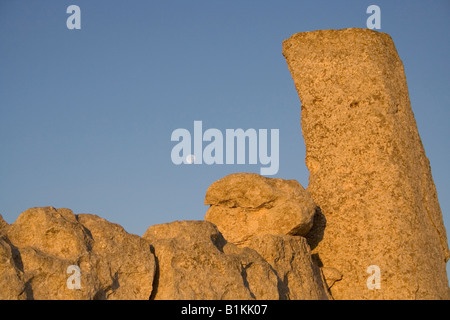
x,y
245,205
368,170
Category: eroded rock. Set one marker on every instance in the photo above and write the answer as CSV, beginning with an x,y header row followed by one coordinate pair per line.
x,y
368,170
12,285
43,242
290,257
193,261
331,275
245,205
125,266
3,225
196,262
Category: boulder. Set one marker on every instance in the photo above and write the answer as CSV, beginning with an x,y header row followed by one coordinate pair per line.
x,y
45,242
179,260
290,257
245,205
196,262
125,264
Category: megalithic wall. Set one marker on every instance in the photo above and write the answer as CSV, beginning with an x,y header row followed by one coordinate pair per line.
x,y
368,170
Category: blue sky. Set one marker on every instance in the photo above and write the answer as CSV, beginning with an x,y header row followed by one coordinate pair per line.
x,y
86,115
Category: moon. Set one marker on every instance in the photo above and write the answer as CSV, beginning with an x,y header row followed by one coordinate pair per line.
x,y
190,159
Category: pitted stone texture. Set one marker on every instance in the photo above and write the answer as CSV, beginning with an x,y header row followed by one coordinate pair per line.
x,y
290,257
245,205
43,242
195,262
12,284
125,262
368,170
3,225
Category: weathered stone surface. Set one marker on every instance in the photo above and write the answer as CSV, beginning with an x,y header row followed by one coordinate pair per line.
x,y
331,275
12,286
244,205
290,257
44,242
196,262
125,264
3,224
48,241
193,261
368,170
52,231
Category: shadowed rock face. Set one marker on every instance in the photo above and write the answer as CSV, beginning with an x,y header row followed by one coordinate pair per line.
x,y
290,256
12,285
368,170
245,205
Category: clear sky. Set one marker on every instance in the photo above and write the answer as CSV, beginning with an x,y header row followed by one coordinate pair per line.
x,y
86,116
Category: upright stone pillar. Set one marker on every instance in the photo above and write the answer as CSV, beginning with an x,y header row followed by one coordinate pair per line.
x,y
368,170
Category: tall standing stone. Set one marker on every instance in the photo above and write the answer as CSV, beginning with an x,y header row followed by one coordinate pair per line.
x,y
368,170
